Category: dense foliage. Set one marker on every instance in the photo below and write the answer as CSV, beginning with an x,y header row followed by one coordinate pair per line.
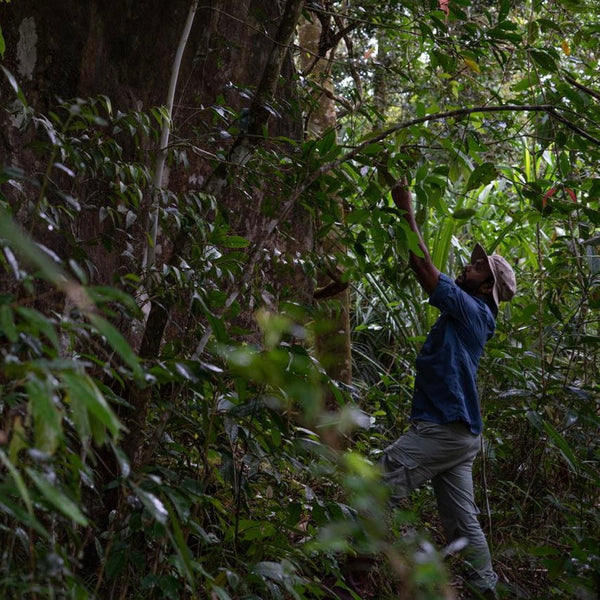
x,y
251,475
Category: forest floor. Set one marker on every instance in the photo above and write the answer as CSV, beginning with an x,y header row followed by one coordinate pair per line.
x,y
378,582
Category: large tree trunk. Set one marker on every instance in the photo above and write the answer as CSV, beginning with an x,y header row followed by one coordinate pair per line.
x,y
66,49
237,55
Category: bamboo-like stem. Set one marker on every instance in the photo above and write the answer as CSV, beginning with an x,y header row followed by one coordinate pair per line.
x,y
150,250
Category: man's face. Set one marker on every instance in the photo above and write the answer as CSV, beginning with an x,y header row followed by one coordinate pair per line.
x,y
473,276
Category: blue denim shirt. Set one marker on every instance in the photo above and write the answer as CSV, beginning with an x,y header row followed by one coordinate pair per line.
x,y
445,384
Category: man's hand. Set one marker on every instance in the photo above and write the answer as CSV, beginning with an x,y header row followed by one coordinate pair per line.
x,y
402,196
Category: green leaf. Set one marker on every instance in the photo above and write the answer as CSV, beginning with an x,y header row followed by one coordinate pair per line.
x,y
23,243
231,241
180,546
526,83
7,324
544,60
504,10
14,510
563,446
543,551
18,481
2,44
124,465
152,503
372,149
482,175
219,592
82,389
559,441
13,83
55,497
116,561
81,420
270,570
42,323
327,142
47,417
117,341
106,295
595,188
574,5
463,213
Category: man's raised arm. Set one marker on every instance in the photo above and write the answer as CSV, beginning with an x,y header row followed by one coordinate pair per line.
x,y
426,272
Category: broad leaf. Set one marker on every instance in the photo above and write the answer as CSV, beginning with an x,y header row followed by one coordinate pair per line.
x,y
482,175
117,341
55,497
82,389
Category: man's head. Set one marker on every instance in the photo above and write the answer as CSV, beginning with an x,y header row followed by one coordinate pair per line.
x,y
488,275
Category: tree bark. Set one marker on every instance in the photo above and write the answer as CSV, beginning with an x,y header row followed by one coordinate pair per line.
x,y
333,336
67,49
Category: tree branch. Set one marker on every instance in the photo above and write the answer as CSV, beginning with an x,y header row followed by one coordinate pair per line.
x,y
582,132
259,114
288,204
583,88
459,112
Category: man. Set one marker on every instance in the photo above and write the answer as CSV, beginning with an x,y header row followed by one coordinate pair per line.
x,y
446,424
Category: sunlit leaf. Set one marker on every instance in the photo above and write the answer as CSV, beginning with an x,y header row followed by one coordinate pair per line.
x,y
472,64
153,504
463,213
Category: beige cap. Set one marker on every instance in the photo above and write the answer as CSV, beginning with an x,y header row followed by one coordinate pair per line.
x,y
505,282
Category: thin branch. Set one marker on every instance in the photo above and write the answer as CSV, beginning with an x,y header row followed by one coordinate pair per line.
x,y
583,88
552,112
329,94
459,112
150,253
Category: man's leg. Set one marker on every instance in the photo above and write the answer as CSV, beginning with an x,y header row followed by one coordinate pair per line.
x,y
424,451
456,504
403,467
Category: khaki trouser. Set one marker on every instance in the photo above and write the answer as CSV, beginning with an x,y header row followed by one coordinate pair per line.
x,y
443,454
